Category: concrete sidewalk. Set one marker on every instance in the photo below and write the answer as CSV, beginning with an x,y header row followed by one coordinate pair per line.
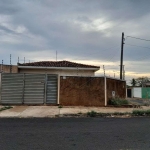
x,y
52,111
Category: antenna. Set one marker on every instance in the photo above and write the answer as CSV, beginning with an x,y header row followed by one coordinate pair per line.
x,y
10,64
24,59
2,66
56,55
18,60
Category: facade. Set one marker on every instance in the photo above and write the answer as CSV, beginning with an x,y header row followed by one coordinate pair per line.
x,y
24,88
58,67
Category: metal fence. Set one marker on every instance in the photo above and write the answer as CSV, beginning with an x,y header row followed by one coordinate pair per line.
x,y
28,88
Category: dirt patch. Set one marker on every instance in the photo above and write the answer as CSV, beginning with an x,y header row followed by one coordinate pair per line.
x,y
19,108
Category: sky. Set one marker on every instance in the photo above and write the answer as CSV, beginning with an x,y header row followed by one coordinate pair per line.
x,y
82,31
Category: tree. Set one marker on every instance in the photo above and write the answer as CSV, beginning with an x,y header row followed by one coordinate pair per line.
x,y
140,81
133,82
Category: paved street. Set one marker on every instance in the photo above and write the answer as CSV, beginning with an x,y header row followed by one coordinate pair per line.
x,y
75,133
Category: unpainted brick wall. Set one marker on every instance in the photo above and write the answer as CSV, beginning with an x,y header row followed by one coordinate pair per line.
x,y
82,91
116,85
6,68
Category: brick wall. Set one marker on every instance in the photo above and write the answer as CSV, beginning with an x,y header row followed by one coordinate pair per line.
x,y
116,85
82,91
6,68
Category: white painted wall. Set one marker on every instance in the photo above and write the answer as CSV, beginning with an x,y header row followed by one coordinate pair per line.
x,y
137,92
59,72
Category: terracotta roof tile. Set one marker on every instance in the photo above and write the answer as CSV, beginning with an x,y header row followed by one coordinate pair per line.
x,y
58,64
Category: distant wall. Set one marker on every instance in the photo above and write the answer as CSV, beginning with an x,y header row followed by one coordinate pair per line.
x,y
82,91
137,92
6,68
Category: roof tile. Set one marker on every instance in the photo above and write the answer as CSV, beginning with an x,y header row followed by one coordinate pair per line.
x,y
63,63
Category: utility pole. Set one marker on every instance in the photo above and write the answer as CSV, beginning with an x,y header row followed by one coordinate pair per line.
x,y
121,59
56,55
123,72
104,70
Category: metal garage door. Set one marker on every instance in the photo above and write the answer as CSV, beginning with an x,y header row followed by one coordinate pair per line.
x,y
34,88
51,92
11,88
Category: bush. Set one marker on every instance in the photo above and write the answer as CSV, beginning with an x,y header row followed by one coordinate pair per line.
x,y
92,114
118,102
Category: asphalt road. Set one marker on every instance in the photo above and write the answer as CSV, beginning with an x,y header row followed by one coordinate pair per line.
x,y
75,133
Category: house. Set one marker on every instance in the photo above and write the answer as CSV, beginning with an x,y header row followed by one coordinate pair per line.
x,y
138,92
58,82
62,68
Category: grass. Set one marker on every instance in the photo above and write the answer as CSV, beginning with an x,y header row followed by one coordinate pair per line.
x,y
5,107
133,113
91,114
141,113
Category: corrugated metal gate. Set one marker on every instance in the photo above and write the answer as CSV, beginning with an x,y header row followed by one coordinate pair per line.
x,y
28,88
11,88
34,87
51,89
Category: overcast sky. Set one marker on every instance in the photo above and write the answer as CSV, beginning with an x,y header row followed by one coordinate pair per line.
x,y
84,31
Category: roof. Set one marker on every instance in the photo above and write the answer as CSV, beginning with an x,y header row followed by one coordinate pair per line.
x,y
64,63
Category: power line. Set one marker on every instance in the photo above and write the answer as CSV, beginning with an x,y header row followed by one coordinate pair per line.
x,y
138,46
138,38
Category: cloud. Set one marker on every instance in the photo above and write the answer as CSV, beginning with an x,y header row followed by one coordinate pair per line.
x,y
83,31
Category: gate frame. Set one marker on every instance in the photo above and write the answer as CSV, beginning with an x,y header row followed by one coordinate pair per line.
x,y
57,86
0,87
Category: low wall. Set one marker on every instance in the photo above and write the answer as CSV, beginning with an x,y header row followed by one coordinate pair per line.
x,y
82,91
118,86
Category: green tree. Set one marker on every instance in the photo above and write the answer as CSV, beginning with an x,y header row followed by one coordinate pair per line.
x,y
133,82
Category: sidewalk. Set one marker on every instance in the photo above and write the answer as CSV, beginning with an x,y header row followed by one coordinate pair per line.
x,y
52,111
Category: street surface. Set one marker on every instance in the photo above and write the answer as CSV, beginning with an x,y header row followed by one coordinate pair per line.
x,y
75,133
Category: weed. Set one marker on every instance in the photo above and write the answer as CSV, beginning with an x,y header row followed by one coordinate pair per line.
x,y
141,113
118,102
60,106
92,114
79,113
5,107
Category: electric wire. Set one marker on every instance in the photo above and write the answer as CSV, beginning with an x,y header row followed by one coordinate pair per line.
x,y
138,38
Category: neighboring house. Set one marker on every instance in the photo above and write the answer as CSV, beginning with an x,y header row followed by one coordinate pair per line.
x,y
138,92
63,68
8,68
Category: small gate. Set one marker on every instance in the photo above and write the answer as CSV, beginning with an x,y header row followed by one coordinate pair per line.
x,y
51,93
